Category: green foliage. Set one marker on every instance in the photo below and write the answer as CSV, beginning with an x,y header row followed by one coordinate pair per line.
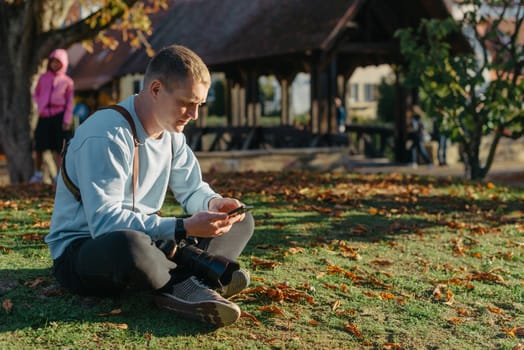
x,y
386,102
454,82
267,89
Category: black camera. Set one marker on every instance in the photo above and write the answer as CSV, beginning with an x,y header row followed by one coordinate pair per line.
x,y
215,270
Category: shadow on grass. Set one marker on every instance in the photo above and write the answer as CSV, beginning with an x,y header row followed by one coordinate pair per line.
x,y
314,227
38,302
279,226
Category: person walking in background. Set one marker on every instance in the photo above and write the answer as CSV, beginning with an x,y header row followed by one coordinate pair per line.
x,y
442,138
417,136
54,98
341,115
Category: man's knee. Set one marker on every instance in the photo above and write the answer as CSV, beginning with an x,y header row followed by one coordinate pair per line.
x,y
246,226
142,256
131,240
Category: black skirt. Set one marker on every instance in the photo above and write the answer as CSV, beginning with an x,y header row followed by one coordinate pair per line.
x,y
49,134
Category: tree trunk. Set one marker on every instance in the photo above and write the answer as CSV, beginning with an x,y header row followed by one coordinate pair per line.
x,y
15,109
471,156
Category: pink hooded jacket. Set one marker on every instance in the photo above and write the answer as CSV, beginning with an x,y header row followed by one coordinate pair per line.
x,y
54,91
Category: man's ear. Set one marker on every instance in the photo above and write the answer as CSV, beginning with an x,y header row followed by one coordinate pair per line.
x,y
154,88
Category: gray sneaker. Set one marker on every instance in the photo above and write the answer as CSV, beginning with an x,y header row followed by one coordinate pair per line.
x,y
193,299
239,281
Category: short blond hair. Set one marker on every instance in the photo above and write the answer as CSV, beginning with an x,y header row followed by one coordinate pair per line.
x,y
176,63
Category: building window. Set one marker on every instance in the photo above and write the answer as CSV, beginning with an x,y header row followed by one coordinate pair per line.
x,y
353,90
370,92
137,86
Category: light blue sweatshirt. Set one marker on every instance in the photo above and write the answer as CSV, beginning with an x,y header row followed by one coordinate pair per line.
x,y
99,162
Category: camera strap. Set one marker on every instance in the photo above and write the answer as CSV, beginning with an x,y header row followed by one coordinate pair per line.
x,y
67,180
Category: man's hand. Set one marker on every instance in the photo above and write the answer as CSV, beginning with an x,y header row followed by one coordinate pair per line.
x,y
224,205
66,127
207,224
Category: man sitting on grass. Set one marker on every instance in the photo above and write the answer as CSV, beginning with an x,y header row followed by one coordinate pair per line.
x,y
106,235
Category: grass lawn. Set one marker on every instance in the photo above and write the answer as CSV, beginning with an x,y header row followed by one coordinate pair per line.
x,y
338,261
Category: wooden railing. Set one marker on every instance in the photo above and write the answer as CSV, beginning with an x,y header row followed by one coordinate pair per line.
x,y
372,141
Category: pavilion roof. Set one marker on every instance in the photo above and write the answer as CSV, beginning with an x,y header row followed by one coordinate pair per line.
x,y
232,32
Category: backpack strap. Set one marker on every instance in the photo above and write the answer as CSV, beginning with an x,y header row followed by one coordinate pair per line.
x,y
67,180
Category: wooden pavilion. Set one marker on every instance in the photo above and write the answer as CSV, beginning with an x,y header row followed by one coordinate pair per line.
x,y
250,38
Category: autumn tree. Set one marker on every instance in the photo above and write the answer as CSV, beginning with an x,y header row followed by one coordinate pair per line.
x,y
29,31
475,95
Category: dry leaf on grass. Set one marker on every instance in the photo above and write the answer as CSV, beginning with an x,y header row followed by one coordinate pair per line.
x,y
36,282
111,313
382,262
42,224
265,264
280,293
336,305
273,309
514,332
117,325
489,276
7,305
33,237
249,316
351,328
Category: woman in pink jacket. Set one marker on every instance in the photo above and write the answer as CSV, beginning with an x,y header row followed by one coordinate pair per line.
x,y
54,98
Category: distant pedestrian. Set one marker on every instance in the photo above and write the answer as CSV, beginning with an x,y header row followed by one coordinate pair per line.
x,y
441,136
341,115
54,98
417,136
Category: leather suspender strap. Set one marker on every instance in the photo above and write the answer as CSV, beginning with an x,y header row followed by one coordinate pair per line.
x,y
67,180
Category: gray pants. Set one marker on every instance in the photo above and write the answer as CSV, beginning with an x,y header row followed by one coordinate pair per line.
x,y
128,259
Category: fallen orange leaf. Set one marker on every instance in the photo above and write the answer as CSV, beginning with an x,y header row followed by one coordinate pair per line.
x,y
455,320
263,263
294,250
353,330
7,305
314,323
330,286
387,296
494,310
117,325
272,309
249,316
32,237
382,262
34,283
111,313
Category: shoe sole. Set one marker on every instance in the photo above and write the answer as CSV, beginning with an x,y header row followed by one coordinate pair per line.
x,y
216,313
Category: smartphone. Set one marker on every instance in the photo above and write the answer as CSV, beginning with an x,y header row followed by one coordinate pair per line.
x,y
240,210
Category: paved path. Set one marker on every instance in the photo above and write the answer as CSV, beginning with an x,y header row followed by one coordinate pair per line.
x,y
504,172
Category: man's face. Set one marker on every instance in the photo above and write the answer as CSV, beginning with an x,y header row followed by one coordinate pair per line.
x,y
174,109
